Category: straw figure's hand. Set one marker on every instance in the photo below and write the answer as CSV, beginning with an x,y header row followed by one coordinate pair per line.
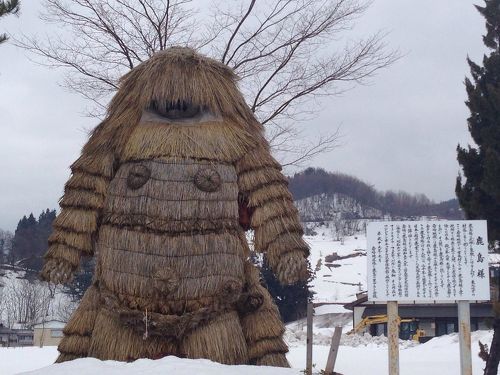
x,y
57,271
292,268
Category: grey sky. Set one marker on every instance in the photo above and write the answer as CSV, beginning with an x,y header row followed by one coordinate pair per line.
x,y
400,132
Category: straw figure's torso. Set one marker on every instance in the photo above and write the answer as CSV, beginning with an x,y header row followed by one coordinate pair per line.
x,y
162,195
170,240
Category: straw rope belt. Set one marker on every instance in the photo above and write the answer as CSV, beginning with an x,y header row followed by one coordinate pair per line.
x,y
160,224
174,327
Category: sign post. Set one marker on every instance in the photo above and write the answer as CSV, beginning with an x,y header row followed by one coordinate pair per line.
x,y
334,350
309,342
465,340
393,337
428,262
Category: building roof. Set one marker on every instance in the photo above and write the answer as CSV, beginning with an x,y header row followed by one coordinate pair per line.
x,y
50,324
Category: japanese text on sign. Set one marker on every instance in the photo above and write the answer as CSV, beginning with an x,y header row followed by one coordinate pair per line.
x,y
428,261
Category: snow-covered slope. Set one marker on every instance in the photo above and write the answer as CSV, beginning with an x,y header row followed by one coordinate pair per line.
x,y
324,207
339,267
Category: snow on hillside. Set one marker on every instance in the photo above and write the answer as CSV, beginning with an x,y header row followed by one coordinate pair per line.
x,y
340,268
328,206
45,301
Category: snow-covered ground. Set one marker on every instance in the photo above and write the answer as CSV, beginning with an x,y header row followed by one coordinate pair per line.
x,y
362,357
338,278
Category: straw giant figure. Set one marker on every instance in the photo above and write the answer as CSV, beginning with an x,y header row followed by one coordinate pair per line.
x,y
161,195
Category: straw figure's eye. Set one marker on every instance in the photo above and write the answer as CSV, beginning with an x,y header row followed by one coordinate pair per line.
x,y
176,110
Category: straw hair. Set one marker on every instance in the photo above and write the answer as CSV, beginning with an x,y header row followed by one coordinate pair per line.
x,y
158,201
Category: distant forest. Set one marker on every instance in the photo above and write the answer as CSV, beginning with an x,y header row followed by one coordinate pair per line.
x,y
314,181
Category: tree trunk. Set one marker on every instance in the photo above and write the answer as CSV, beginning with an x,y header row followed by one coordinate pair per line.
x,y
494,357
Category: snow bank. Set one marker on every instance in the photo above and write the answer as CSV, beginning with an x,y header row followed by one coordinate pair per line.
x,y
369,357
16,360
167,365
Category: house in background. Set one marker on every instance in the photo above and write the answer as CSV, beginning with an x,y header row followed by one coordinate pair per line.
x,y
15,337
433,319
48,333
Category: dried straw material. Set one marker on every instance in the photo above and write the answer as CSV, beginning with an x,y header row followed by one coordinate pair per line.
x,y
75,344
269,193
78,331
273,359
76,220
217,140
79,241
222,341
112,340
262,328
82,199
278,208
87,182
253,179
273,228
95,164
58,251
158,203
259,157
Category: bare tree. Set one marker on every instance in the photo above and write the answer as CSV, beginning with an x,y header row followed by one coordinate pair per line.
x,y
64,308
8,7
288,53
25,302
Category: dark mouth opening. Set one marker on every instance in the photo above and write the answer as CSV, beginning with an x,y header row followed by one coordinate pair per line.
x,y
175,110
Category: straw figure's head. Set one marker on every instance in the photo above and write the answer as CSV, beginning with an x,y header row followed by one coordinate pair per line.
x,y
179,87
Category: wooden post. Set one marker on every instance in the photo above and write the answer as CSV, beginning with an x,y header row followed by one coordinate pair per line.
x,y
465,340
309,339
334,349
393,336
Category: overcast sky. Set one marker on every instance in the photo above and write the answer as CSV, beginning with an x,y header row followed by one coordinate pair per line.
x,y
400,132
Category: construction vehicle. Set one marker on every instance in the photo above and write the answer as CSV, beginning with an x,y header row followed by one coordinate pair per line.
x,y
408,328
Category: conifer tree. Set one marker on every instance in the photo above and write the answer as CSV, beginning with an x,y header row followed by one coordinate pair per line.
x,y
291,299
479,195
8,7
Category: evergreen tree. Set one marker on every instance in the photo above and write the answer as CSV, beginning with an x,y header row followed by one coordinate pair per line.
x,y
82,280
8,7
30,241
479,195
291,299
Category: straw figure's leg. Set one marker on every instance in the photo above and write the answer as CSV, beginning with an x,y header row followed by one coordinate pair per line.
x,y
112,340
219,340
78,331
261,324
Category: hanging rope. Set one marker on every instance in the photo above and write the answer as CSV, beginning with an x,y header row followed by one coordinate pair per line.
x,y
146,322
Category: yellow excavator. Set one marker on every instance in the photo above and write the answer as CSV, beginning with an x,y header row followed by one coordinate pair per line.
x,y
410,325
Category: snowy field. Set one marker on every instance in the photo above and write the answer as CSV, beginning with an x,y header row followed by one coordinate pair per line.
x,y
436,357
340,273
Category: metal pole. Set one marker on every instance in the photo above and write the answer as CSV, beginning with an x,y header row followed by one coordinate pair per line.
x,y
393,336
334,350
309,343
465,341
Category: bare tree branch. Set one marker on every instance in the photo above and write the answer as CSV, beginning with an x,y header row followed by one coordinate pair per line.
x,y
287,53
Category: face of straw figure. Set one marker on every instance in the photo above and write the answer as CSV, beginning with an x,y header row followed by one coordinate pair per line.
x,y
178,112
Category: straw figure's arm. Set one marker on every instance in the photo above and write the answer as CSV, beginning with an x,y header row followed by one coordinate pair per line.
x,y
76,224
272,215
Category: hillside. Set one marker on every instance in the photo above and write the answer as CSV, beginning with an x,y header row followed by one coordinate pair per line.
x,y
322,195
